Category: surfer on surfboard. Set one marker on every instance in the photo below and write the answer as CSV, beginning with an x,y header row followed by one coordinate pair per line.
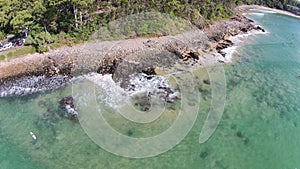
x,y
33,136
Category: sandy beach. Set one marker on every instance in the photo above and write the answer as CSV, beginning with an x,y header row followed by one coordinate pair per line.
x,y
247,8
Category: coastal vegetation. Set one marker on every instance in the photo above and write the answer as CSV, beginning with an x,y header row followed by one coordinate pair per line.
x,y
53,23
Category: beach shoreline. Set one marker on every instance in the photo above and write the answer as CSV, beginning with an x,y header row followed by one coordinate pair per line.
x,y
248,8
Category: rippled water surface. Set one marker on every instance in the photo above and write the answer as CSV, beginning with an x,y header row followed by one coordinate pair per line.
x,y
260,127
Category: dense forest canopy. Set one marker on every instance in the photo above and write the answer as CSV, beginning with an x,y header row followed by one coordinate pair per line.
x,y
78,18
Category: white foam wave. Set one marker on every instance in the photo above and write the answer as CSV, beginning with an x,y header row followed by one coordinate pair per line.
x,y
237,40
112,95
256,13
147,84
107,91
266,11
229,53
240,38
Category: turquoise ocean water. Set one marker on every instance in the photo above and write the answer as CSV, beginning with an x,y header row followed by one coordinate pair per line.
x,y
260,127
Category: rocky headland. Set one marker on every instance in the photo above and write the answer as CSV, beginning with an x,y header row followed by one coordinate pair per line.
x,y
152,56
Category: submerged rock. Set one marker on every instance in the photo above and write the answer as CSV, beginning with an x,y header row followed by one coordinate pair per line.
x,y
206,81
203,154
142,101
67,104
239,134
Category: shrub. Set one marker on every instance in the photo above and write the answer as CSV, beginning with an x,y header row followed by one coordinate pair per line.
x,y
41,41
29,40
9,54
2,57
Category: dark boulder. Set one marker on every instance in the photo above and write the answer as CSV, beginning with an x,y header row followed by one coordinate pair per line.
x,y
149,71
67,104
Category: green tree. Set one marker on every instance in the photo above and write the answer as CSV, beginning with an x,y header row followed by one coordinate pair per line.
x,y
41,41
22,20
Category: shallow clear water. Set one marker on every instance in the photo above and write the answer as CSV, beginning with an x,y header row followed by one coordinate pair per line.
x,y
260,127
